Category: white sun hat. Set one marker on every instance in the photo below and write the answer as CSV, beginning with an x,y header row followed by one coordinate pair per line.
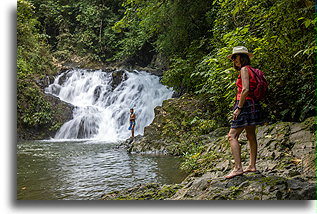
x,y
240,50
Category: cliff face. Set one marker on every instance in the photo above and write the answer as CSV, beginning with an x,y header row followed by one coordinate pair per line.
x,y
285,163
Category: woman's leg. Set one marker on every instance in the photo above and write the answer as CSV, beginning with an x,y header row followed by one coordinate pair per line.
x,y
251,136
233,136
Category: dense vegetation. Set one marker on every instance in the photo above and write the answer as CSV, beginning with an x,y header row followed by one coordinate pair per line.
x,y
80,28
195,37
34,61
198,35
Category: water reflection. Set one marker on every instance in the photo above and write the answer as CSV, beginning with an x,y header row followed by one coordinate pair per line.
x,y
84,170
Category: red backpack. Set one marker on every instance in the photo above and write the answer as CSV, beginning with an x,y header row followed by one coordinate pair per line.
x,y
260,91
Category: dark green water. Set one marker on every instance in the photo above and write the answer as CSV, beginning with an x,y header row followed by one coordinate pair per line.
x,y
84,170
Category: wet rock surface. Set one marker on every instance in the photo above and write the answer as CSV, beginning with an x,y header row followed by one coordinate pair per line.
x,y
118,76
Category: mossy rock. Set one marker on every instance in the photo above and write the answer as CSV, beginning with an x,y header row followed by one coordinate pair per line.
x,y
150,191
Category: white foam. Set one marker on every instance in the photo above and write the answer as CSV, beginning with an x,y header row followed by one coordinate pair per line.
x,y
106,117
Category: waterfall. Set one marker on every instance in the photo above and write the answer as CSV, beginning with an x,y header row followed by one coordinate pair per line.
x,y
103,100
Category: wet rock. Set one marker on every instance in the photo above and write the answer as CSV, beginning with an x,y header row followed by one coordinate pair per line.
x,y
63,78
109,69
154,71
97,92
55,89
126,144
45,82
86,129
118,76
63,111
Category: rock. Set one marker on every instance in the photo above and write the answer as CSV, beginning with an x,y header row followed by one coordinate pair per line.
x,y
303,143
160,61
202,182
109,69
154,71
45,82
126,144
62,113
63,78
151,191
97,92
300,136
117,77
301,190
207,187
223,166
308,164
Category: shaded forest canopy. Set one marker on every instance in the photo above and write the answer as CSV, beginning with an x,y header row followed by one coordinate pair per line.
x,y
194,36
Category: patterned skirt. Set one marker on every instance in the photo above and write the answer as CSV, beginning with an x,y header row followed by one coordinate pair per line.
x,y
251,114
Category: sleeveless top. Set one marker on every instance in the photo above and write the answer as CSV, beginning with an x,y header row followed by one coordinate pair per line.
x,y
252,84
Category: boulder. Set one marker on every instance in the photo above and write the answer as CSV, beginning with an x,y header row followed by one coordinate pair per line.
x,y
117,77
61,112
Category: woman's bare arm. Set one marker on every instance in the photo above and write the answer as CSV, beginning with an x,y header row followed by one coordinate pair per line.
x,y
245,86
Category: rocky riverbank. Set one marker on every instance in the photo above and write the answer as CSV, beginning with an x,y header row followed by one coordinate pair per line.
x,y
183,126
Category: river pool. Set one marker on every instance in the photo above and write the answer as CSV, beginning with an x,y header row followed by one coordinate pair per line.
x,y
84,170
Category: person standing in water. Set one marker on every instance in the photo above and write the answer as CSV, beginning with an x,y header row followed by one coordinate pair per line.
x,y
247,112
132,121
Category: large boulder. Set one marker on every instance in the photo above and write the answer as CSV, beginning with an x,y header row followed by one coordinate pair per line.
x,y
60,112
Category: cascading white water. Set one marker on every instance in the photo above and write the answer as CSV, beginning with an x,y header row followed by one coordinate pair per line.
x,y
102,109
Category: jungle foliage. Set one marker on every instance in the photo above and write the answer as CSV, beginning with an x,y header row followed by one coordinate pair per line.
x,y
34,61
80,28
198,35
195,36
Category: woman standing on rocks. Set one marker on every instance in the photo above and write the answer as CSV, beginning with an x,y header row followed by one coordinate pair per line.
x,y
246,113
